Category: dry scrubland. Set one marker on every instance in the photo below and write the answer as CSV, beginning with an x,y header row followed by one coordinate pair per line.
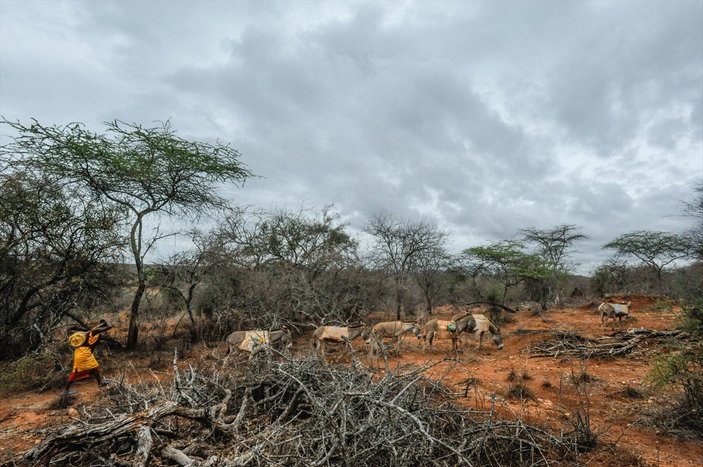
x,y
562,392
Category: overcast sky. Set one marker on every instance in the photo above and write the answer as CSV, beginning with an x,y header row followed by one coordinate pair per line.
x,y
484,117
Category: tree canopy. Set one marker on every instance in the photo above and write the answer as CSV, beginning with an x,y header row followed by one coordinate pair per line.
x,y
399,244
507,262
655,249
56,251
137,169
553,245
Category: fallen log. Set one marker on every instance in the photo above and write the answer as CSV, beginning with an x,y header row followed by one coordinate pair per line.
x,y
177,456
81,435
75,436
144,444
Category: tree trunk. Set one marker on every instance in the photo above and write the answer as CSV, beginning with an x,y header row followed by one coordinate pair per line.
x,y
193,325
135,237
133,334
428,300
397,301
555,290
397,279
660,281
194,334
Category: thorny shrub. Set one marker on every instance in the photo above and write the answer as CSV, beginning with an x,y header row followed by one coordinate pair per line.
x,y
296,412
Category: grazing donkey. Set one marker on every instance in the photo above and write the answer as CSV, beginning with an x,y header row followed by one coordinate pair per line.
x,y
257,340
337,334
484,325
613,311
396,329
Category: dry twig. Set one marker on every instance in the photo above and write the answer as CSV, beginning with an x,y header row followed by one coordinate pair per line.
x,y
292,412
573,345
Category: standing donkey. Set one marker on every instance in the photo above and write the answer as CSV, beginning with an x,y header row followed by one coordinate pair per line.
x,y
396,329
337,334
440,329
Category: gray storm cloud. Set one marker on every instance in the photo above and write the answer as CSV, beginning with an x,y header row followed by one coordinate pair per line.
x,y
486,117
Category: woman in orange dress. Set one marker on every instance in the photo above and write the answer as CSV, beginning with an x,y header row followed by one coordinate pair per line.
x,y
84,362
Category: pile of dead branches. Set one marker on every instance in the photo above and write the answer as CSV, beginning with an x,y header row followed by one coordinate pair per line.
x,y
572,344
297,412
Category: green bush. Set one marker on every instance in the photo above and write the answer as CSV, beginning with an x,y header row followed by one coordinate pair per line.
x,y
684,370
32,371
659,305
494,293
692,323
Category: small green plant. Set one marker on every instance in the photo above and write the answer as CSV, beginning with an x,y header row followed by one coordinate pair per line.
x,y
683,370
692,322
659,305
29,372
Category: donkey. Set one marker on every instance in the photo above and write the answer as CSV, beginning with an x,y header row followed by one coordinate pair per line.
x,y
484,325
465,322
613,311
337,334
396,329
441,329
257,340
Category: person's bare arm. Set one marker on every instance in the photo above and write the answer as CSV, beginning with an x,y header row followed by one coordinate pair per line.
x,y
102,327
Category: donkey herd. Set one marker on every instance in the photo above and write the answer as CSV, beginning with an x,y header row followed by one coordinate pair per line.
x,y
375,336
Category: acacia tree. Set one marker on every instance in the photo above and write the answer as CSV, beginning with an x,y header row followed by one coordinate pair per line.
x,y
399,244
143,171
655,249
507,262
553,246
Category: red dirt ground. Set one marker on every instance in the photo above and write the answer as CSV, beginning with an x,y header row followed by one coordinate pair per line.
x,y
623,437
612,414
